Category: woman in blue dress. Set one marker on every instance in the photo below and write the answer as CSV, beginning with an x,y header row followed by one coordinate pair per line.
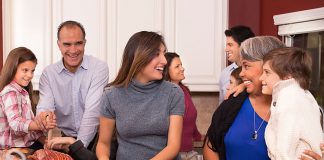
x,y
237,127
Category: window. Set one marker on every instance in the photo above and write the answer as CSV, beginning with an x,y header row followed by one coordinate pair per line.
x,y
314,43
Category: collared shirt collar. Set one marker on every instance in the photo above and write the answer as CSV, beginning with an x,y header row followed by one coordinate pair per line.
x,y
233,66
20,89
84,65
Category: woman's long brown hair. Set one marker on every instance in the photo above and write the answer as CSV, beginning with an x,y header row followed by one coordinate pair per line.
x,y
140,49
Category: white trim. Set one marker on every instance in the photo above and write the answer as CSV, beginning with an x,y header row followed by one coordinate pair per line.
x,y
159,16
103,30
112,31
170,24
225,18
289,41
7,27
48,33
203,87
47,38
303,27
300,16
57,17
306,21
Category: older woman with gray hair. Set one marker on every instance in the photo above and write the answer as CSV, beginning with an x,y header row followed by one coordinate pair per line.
x,y
238,125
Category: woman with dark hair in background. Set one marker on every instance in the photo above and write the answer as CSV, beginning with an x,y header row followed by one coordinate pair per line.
x,y
174,72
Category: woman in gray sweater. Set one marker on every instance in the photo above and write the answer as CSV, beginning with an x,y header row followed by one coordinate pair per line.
x,y
145,111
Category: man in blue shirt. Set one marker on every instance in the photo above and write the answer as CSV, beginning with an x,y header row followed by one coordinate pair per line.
x,y
234,37
73,86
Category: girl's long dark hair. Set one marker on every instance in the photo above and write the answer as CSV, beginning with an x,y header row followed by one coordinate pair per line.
x,y
17,56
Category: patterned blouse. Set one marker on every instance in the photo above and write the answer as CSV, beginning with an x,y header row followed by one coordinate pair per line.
x,y
15,116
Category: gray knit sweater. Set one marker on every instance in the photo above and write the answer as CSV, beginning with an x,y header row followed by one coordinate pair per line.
x,y
142,116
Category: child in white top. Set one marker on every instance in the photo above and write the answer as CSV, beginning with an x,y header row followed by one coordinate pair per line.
x,y
294,124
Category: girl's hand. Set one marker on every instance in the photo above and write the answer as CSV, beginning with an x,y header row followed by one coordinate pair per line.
x,y
41,121
50,121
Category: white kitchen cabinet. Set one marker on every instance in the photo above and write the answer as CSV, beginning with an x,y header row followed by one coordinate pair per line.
x,y
192,28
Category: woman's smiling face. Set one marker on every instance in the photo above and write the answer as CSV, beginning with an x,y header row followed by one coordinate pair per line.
x,y
153,70
176,71
250,74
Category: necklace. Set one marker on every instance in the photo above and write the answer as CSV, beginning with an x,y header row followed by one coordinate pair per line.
x,y
255,134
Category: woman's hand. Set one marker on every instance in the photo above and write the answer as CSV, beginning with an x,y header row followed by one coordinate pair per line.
x,y
236,90
309,154
312,155
60,143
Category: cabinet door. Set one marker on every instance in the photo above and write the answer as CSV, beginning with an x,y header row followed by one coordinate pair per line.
x,y
195,30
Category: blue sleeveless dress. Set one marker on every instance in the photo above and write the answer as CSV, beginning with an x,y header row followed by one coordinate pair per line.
x,y
239,143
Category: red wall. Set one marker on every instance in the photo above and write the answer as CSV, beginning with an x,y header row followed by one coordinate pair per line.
x,y
245,12
258,14
274,7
